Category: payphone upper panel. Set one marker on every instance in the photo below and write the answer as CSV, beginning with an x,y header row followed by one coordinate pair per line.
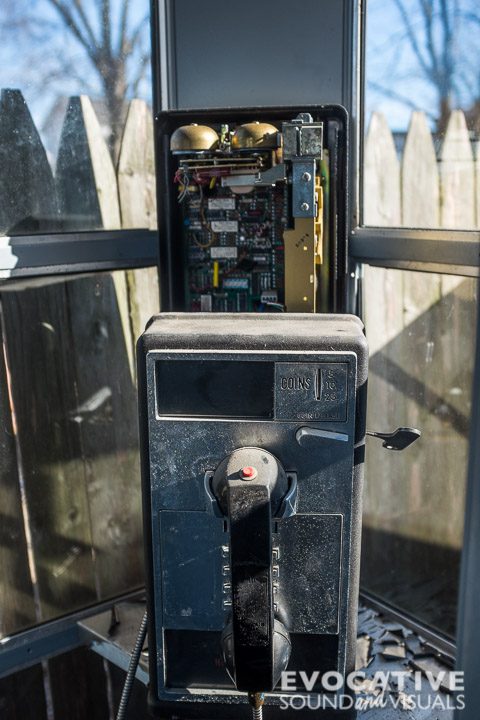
x,y
223,62
229,54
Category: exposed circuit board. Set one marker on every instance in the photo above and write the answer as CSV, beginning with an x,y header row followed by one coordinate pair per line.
x,y
235,252
252,214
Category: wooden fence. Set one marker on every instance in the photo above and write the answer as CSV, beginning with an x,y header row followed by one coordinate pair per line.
x,y
70,518
421,331
69,484
427,187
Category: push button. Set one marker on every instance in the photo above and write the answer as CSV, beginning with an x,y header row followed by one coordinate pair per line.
x,y
248,473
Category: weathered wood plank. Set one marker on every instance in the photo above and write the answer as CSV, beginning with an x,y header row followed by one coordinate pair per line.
x,y
425,373
27,191
17,608
85,177
39,345
136,189
457,175
22,695
79,686
143,297
381,207
420,179
420,208
383,292
136,169
102,348
381,192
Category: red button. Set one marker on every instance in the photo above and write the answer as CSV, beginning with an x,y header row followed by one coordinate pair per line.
x,y
248,472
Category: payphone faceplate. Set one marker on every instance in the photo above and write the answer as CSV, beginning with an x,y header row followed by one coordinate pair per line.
x,y
294,386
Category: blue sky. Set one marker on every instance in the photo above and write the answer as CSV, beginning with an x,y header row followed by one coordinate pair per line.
x,y
392,65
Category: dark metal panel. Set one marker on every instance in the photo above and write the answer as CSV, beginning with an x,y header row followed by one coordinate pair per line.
x,y
468,636
192,601
115,643
29,255
89,696
22,696
450,251
219,53
308,566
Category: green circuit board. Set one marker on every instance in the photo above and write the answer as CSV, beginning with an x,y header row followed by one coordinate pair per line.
x,y
234,249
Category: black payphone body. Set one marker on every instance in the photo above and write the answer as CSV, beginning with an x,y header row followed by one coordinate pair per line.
x,y
253,432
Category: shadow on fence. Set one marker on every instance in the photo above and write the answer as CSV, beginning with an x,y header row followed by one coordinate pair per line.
x,y
421,331
69,481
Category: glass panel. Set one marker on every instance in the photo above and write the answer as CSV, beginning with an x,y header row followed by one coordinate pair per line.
x,y
422,114
68,71
421,332
71,529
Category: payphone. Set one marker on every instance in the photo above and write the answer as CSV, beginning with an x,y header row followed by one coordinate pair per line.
x,y
253,432
252,403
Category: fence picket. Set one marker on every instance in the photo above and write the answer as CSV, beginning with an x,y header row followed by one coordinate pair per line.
x,y
381,207
457,175
102,349
382,175
37,325
85,178
136,191
17,607
420,179
136,169
420,208
27,193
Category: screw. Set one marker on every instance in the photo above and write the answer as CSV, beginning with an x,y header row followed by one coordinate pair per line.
x,y
306,177
304,207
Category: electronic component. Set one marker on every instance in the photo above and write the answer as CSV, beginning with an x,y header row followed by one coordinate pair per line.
x,y
247,188
252,209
